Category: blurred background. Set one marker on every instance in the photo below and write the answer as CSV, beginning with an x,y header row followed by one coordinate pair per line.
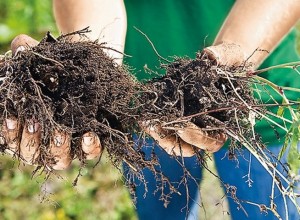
x,y
100,192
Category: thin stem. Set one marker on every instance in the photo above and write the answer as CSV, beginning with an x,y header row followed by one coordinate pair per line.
x,y
157,54
290,89
279,91
47,58
270,120
266,164
279,117
235,107
291,65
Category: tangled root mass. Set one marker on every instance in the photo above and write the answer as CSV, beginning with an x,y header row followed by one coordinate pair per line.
x,y
77,88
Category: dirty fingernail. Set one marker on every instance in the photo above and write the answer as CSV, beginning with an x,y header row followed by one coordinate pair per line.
x,y
2,140
11,124
144,123
180,131
19,49
33,127
89,140
59,140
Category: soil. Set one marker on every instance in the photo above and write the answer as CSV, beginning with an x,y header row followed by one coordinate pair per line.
x,y
76,87
198,90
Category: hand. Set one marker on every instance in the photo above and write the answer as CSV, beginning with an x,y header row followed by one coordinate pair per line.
x,y
24,140
227,54
183,139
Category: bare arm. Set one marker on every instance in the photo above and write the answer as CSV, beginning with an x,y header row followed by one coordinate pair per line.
x,y
257,24
106,19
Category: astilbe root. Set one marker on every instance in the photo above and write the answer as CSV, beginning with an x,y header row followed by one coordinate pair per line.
x,y
217,99
72,87
75,87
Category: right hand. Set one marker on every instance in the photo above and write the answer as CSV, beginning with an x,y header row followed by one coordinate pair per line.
x,y
226,54
24,140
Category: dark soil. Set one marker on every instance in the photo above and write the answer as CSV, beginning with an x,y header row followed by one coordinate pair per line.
x,y
73,87
76,87
201,92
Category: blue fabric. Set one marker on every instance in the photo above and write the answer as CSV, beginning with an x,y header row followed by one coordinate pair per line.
x,y
150,206
232,172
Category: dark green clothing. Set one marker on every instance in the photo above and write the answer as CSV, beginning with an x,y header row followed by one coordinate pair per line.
x,y
176,27
181,28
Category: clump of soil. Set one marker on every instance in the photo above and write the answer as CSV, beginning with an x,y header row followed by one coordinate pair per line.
x,y
199,91
73,87
76,87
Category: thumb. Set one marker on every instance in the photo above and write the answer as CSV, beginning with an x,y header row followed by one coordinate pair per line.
x,y
22,42
228,54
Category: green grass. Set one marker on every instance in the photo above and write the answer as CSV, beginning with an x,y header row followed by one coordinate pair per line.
x,y
30,17
99,194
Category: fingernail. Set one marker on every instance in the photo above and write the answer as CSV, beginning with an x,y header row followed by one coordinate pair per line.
x,y
2,140
152,128
33,127
19,49
180,131
11,124
143,123
89,140
59,140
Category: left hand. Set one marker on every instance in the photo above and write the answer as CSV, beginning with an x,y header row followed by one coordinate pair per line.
x,y
183,139
186,138
23,140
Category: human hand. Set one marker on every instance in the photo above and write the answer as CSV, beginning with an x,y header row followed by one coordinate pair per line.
x,y
227,54
184,138
23,140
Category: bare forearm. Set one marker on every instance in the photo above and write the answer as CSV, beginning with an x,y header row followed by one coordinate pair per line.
x,y
106,19
259,24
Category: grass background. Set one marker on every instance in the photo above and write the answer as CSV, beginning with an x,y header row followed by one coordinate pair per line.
x,y
100,193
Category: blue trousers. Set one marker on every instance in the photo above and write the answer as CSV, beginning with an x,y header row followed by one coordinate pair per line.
x,y
185,203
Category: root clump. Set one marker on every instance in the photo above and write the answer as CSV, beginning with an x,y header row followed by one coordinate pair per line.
x,y
76,87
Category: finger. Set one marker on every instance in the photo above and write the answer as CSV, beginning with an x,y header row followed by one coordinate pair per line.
x,y
2,61
11,133
30,142
194,135
60,148
225,54
22,42
169,142
2,138
91,145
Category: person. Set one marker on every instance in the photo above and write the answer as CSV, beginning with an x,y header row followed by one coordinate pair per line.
x,y
235,29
